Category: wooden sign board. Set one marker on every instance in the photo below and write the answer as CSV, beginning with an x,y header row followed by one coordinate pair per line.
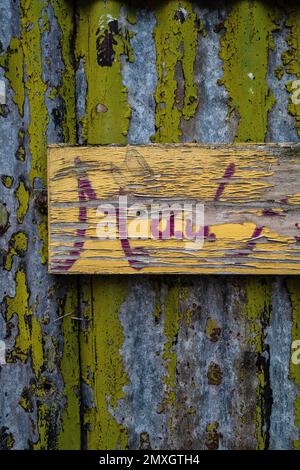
x,y
187,209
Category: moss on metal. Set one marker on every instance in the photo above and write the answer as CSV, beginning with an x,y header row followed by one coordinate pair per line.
x,y
18,245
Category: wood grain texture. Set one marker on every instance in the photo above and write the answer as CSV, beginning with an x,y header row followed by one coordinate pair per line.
x,y
250,194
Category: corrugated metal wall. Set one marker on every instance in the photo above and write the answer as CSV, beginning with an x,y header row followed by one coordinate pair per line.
x,y
162,362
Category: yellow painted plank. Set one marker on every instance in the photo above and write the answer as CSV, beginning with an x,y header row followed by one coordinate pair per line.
x,y
249,195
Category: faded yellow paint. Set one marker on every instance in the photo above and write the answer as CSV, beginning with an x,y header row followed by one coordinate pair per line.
x,y
246,233
18,305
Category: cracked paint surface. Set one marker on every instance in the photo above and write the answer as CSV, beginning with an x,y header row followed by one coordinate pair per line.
x,y
176,37
290,59
35,380
145,344
245,48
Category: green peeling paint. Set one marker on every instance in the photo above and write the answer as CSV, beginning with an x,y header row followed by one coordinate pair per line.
x,y
7,181
291,61
17,247
69,436
20,153
102,365
64,13
106,121
258,312
22,63
29,336
12,62
245,49
43,413
22,196
176,36
171,329
293,285
105,88
31,12
18,305
24,402
212,436
279,72
25,53
36,346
